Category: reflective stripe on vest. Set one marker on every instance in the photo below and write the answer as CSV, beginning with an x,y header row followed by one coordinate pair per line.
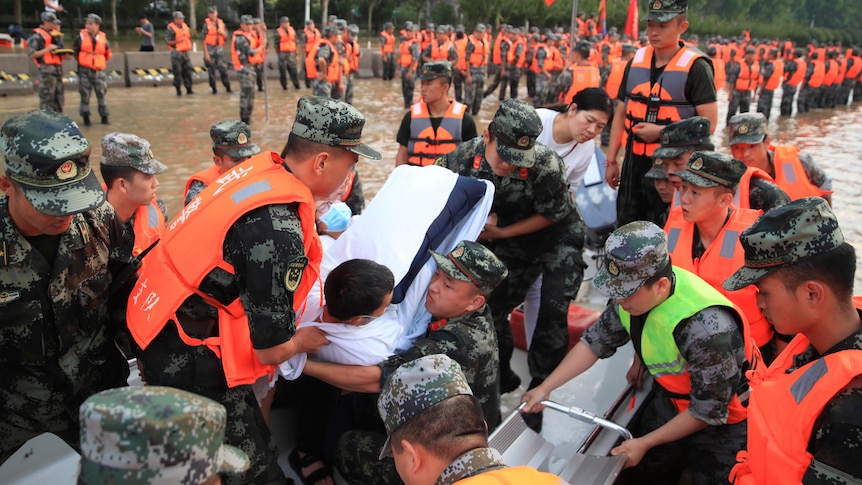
x,y
182,37
790,174
668,90
181,261
723,256
214,32
660,353
425,144
93,56
783,409
582,77
286,39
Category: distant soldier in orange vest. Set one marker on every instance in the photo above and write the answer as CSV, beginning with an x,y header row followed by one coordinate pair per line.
x,y
179,39
215,35
387,51
92,51
772,74
246,54
286,46
745,77
795,68
41,45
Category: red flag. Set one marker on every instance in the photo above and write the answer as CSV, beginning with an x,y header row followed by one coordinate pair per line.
x,y
603,18
549,2
632,20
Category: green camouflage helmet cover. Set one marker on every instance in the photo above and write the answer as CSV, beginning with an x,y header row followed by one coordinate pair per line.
x,y
747,128
666,10
677,138
331,122
154,435
516,126
233,137
711,169
786,235
470,261
416,386
49,158
634,253
128,150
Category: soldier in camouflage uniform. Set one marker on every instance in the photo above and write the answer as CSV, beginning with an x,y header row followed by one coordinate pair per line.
x,y
679,140
638,277
232,145
538,231
286,58
799,249
259,31
180,45
463,330
435,430
91,77
474,79
248,74
413,56
40,46
270,248
152,434
214,34
324,57
61,249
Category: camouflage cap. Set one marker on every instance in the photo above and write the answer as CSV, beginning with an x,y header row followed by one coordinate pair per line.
x,y
434,70
93,18
233,137
416,386
442,29
283,20
666,10
154,435
480,28
516,125
255,20
677,138
128,150
331,122
49,158
179,15
634,253
629,48
50,17
212,9
656,172
747,128
785,235
245,19
711,169
470,261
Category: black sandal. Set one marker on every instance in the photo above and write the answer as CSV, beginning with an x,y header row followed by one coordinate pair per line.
x,y
297,464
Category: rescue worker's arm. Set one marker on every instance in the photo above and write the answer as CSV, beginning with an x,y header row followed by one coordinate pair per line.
x,y
403,139
306,339
204,31
401,155
170,38
682,425
534,223
709,111
578,360
352,378
613,168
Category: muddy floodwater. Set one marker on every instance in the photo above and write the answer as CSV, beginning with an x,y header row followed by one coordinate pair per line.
x,y
178,128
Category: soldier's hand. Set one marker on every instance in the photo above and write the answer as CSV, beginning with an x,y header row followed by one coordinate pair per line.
x,y
533,398
635,449
635,374
309,339
612,175
52,47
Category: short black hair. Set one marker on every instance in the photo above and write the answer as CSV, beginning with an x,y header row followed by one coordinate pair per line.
x,y
447,428
357,287
835,268
110,173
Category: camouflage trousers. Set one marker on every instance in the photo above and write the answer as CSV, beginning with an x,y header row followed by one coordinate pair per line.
x,y
531,83
501,80
259,70
247,77
181,66
356,459
764,102
407,87
287,65
90,80
540,89
348,89
474,90
804,103
321,88
710,453
562,268
388,66
857,91
514,80
51,88
218,63
740,101
787,94
458,81
844,94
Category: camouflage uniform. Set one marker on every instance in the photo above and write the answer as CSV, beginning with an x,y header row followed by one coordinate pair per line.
x,y
233,138
740,101
790,234
217,60
90,80
474,90
710,341
258,68
57,318
286,60
764,101
537,187
247,75
50,76
322,87
124,432
181,64
540,55
408,86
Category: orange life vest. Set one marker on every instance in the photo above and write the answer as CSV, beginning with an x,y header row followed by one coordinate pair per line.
x,y
668,92
582,77
783,409
48,58
854,70
720,75
424,39
831,73
534,65
148,227
94,56
182,259
816,79
182,36
353,54
388,47
495,50
425,143
461,49
286,39
658,348
479,57
206,177
214,32
253,42
333,66
406,58
615,78
555,58
742,197
749,76
311,36
790,174
440,52
724,256
512,474
513,49
774,81
798,75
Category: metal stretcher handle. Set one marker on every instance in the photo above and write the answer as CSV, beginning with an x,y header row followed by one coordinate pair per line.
x,y
587,417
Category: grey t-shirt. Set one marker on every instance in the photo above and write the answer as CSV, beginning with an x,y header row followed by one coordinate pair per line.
x,y
148,41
